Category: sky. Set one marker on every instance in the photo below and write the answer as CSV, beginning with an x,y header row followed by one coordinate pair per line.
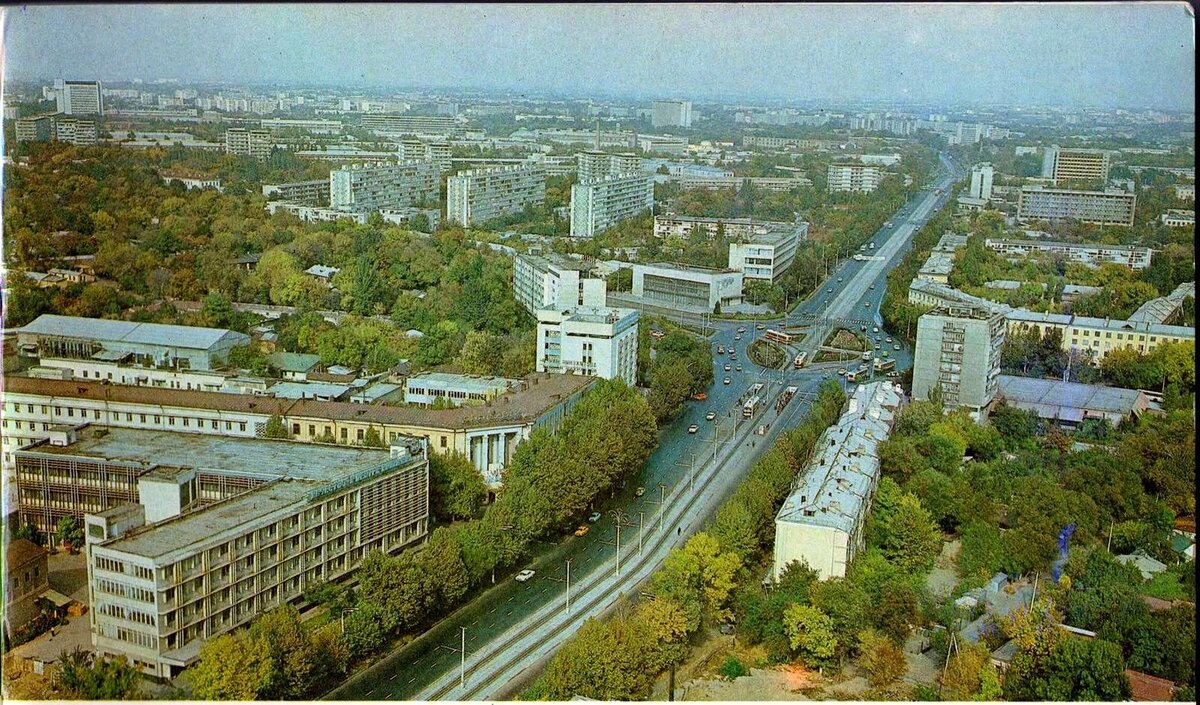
x,y
1108,54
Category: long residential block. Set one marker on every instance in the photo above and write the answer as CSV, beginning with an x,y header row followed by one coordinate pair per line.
x,y
602,203
1105,207
479,195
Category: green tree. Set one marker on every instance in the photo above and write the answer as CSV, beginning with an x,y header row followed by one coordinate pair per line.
x,y
847,604
70,532
911,537
300,668
881,658
481,354
670,385
970,675
444,565
232,666
699,578
87,676
456,487
276,428
811,634
364,634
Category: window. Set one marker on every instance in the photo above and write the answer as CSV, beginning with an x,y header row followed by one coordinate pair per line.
x,y
228,425
295,429
214,424
443,441
143,417
359,435
344,434
170,420
242,426
312,430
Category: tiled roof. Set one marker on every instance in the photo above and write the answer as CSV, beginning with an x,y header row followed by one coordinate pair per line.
x,y
21,552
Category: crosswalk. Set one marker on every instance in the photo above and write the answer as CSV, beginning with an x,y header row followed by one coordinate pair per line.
x,y
811,319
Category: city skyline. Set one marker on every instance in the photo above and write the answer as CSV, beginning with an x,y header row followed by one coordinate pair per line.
x,y
1116,55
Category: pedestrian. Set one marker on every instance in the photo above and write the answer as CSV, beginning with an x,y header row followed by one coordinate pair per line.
x,y
679,531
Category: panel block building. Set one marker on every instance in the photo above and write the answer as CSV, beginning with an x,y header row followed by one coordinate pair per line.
x,y
602,203
479,195
958,349
362,188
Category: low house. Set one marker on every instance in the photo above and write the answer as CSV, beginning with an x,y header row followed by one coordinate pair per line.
x,y
1147,688
293,366
322,272
1149,567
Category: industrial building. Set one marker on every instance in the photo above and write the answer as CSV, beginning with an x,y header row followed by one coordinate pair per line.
x,y
1069,404
958,349
692,288
555,281
602,203
823,519
479,195
601,342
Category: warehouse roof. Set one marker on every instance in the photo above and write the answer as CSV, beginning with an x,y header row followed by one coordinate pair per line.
x,y
1056,399
104,330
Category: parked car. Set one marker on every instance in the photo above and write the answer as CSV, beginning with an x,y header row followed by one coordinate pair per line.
x,y
582,530
738,336
875,329
889,340
727,367
639,492
524,575
741,329
593,517
842,372
738,368
895,347
760,326
727,380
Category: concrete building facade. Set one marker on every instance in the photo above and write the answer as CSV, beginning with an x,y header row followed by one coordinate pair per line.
x,y
1105,207
697,288
958,349
455,390
671,113
308,193
600,204
595,165
1062,165
767,253
479,195
859,178
600,342
1088,254
555,282
81,98
377,187
981,181
248,142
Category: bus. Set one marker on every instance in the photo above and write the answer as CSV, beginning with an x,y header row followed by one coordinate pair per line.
x,y
785,397
800,360
755,389
884,365
785,338
751,406
852,375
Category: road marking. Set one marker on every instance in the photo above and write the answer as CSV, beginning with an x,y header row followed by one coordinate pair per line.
x,y
492,610
410,680
372,690
393,677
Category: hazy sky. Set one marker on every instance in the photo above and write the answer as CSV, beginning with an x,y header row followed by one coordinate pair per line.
x,y
1136,54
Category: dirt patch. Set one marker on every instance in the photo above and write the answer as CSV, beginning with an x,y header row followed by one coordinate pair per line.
x,y
766,354
944,577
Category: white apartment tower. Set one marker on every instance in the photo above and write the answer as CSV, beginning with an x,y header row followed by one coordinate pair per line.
x,y
595,165
253,143
599,204
981,181
853,177
671,113
391,186
479,195
81,98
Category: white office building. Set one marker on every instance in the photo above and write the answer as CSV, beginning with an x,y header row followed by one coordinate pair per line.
x,y
601,342
1105,207
479,195
822,522
555,282
600,204
81,98
392,186
1062,164
671,113
981,181
768,252
697,289
861,178
958,349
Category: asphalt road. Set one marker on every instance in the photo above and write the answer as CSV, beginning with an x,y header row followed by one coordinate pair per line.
x,y
513,625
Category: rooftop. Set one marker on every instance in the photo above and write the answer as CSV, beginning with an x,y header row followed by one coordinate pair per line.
x,y
1054,244
475,383
104,330
687,268
293,362
1053,398
20,552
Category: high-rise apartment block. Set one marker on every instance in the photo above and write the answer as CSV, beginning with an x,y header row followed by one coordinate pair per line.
x,y
958,349
479,195
368,188
594,165
555,282
599,204
414,150
309,193
981,181
252,143
862,178
1113,207
1075,164
671,113
601,342
81,98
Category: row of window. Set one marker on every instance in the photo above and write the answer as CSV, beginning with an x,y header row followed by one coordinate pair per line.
x,y
122,612
112,587
185,421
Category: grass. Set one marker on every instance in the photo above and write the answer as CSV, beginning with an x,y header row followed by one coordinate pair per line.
x,y
1165,586
766,354
846,340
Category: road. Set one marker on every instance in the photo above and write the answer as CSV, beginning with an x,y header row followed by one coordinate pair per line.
x,y
512,625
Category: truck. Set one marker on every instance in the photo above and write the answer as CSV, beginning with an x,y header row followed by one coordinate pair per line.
x,y
866,356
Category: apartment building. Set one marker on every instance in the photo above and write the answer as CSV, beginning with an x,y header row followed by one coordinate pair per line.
x,y
316,127
766,183
38,128
1105,207
599,342
1088,254
823,520
479,195
57,126
602,203
981,181
1176,218
428,388
248,142
316,214
931,293
768,252
1075,164
595,165
1100,336
488,435
671,113
408,124
667,144
308,193
859,178
179,552
692,288
414,150
880,159
366,188
81,98
958,349
555,281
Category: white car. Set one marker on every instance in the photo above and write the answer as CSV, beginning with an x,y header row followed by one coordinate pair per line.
x,y
741,329
760,326
693,428
839,278
727,380
524,575
875,329
842,372
872,286
710,415
738,368
727,367
895,347
738,336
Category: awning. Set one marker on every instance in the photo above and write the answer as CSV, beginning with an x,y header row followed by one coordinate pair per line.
x,y
59,599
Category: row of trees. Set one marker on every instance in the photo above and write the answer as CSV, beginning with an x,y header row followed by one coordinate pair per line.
x,y
681,365
551,482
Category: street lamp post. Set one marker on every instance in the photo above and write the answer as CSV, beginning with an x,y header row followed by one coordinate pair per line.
x,y
462,664
568,585
641,527
662,504
619,518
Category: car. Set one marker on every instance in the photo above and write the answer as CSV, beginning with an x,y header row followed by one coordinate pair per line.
x,y
839,278
524,575
693,428
825,376
720,349
842,372
876,346
875,329
639,492
710,416
738,368
829,291
732,351
889,339
893,374
727,380
700,396
866,304
582,530
878,339
733,357
886,353
593,517
872,286
760,326
727,367
741,329
738,336
863,328
895,347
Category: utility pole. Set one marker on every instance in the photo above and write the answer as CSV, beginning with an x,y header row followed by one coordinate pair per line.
x,y
641,527
662,504
462,667
568,586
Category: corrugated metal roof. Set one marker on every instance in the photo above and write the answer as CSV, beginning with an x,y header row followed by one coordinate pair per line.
x,y
104,330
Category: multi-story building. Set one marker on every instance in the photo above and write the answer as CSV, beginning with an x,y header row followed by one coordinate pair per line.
x,y
81,98
688,287
600,204
1104,207
488,435
600,342
57,126
766,183
853,177
671,113
249,142
823,520
409,124
191,180
555,282
316,127
1100,336
594,165
150,345
190,536
315,214
667,144
414,150
768,252
368,188
1062,165
879,159
1088,254
935,294
455,390
1185,192
1176,218
958,349
81,133
309,193
26,579
479,195
981,181
38,128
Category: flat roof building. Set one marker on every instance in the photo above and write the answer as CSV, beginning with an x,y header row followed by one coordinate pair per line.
x,y
1071,403
692,288
595,165
1105,207
248,142
768,252
1164,308
455,390
555,281
479,195
1089,254
958,349
823,519
601,342
1063,165
671,113
381,123
366,188
309,193
81,98
860,178
600,204
1176,218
